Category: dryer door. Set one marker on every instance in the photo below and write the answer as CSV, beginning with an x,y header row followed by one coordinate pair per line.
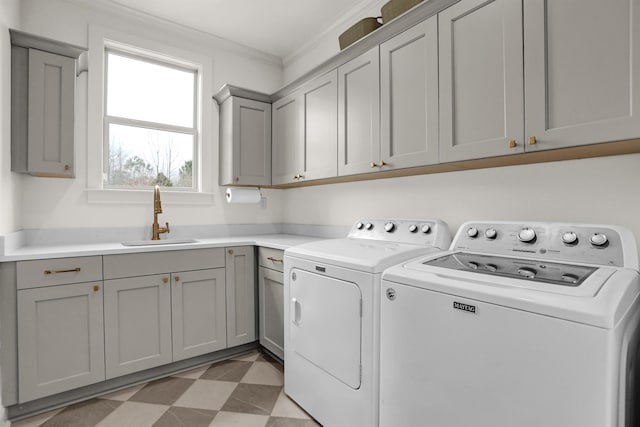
x,y
326,324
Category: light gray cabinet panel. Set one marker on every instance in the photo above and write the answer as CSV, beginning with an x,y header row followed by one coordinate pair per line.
x,y
320,120
409,97
271,258
198,312
271,310
287,139
137,317
582,63
128,265
359,113
58,271
245,142
241,295
42,102
481,79
60,339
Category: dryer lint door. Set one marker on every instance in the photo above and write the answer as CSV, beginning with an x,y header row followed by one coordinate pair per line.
x,y
326,324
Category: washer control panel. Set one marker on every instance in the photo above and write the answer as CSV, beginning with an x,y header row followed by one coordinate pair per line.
x,y
431,232
590,244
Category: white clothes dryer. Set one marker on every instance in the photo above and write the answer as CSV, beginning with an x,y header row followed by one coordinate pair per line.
x,y
519,324
331,315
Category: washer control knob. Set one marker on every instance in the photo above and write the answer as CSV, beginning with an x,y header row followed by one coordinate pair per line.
x,y
426,228
359,226
413,228
369,226
389,227
472,232
491,267
527,272
570,238
490,233
599,239
527,235
473,265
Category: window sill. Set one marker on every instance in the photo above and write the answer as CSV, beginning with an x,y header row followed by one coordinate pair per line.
x,y
143,197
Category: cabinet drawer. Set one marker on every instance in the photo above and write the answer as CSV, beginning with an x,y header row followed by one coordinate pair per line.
x,y
271,258
142,264
48,272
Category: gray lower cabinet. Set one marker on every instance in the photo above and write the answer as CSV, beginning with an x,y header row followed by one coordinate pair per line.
x,y
60,339
409,97
241,295
137,317
271,300
359,114
198,312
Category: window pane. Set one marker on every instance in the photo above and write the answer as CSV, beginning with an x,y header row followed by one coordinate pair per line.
x,y
148,91
145,157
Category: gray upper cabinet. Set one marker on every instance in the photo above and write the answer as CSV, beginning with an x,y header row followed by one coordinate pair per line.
x,y
481,79
582,60
359,114
409,97
287,139
305,132
43,74
245,138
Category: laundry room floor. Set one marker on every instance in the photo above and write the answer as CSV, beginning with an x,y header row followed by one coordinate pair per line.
x,y
246,391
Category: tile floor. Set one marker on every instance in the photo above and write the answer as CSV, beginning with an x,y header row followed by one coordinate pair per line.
x,y
246,391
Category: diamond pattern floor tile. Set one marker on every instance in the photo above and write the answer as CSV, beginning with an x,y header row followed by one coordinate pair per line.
x,y
245,391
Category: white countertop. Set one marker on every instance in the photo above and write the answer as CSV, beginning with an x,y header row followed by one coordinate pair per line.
x,y
275,241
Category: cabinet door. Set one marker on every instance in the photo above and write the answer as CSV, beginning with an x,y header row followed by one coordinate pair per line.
x,y
582,60
409,97
287,139
359,114
481,79
51,114
60,339
251,142
271,309
198,312
137,317
320,103
241,295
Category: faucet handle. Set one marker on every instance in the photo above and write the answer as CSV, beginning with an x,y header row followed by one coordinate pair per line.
x,y
166,229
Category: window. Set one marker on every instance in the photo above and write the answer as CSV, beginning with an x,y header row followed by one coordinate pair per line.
x,y
150,122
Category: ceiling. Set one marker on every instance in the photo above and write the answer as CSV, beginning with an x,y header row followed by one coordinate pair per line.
x,y
277,27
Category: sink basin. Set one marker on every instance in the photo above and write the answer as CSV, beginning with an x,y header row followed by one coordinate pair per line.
x,y
158,242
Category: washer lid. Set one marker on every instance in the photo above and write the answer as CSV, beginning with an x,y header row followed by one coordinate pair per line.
x,y
371,256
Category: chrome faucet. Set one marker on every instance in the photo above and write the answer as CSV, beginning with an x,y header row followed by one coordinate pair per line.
x,y
157,209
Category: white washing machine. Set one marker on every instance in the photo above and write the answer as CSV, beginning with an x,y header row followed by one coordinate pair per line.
x,y
332,315
518,325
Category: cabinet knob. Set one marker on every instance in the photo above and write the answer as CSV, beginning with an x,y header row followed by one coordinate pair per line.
x,y
513,143
382,163
300,176
67,167
373,164
296,176
96,288
177,278
230,251
165,280
237,178
532,140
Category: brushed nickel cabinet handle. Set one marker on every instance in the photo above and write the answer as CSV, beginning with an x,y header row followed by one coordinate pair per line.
x,y
272,259
73,270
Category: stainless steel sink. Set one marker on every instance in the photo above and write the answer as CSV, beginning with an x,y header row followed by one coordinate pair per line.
x,y
158,242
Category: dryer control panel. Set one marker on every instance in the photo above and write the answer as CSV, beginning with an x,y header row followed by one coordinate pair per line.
x,y
589,244
430,232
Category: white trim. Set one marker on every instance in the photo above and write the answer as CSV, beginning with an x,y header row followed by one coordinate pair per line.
x,y
102,37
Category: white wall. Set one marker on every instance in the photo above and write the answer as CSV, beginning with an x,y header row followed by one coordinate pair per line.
x,y
62,203
602,190
9,196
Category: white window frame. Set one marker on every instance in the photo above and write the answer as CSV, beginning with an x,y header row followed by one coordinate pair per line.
x,y
101,39
193,131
